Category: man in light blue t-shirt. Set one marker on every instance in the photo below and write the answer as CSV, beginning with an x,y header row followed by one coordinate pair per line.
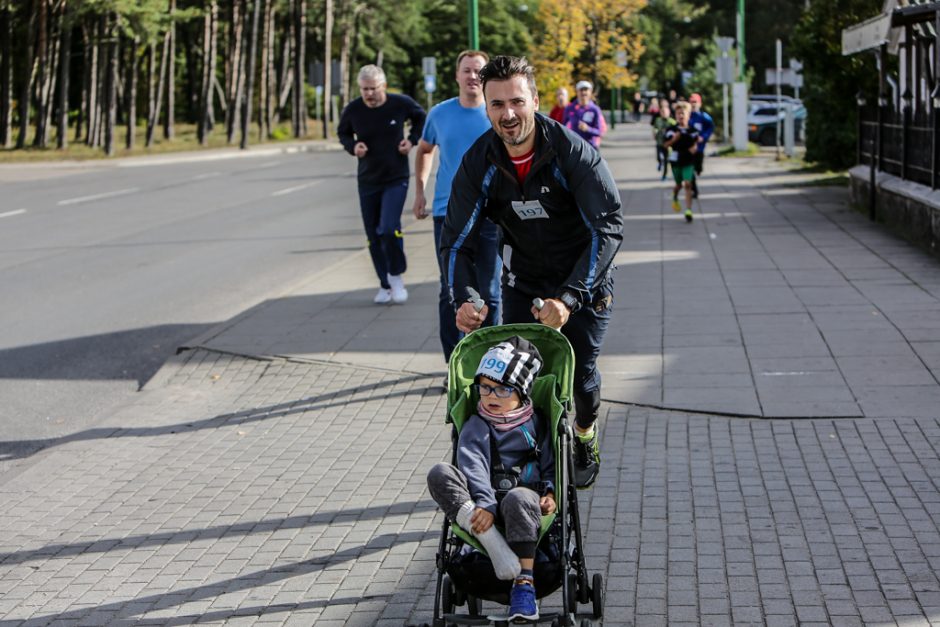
x,y
453,126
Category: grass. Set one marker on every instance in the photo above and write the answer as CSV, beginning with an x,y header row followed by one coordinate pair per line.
x,y
826,176
184,141
729,151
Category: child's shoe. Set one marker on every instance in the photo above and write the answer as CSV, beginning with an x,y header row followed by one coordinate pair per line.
x,y
688,215
676,206
522,605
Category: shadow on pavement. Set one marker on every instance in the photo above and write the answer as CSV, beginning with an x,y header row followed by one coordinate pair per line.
x,y
155,602
185,536
19,449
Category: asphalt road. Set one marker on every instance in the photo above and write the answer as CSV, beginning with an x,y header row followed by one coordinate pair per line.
x,y
104,272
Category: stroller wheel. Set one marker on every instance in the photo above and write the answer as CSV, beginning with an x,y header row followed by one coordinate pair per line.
x,y
597,595
447,595
586,622
474,605
572,592
584,593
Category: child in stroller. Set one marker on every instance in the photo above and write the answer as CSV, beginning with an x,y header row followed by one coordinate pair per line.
x,y
505,470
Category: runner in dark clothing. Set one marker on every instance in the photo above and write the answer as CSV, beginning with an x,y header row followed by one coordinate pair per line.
x,y
559,209
372,129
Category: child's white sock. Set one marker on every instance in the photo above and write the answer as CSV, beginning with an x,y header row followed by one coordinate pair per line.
x,y
505,562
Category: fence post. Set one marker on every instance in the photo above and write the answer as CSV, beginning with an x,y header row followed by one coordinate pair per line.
x,y
935,101
907,97
882,103
860,100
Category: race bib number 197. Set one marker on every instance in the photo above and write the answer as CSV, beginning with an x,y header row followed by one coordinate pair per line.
x,y
529,209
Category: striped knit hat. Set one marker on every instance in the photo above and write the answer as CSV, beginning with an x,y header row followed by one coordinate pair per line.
x,y
514,362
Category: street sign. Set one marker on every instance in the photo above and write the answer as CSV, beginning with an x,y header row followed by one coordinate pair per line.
x,y
724,70
430,83
796,66
621,58
866,35
724,43
787,77
429,66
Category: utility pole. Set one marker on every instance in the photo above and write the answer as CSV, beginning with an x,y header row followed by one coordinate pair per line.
x,y
473,20
740,33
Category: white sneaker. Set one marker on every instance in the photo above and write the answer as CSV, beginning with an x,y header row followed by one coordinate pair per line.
x,y
399,293
382,297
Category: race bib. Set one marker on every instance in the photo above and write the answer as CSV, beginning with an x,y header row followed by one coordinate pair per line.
x,y
588,117
529,209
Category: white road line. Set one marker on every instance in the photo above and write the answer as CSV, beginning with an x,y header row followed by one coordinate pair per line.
x,y
290,190
10,214
207,175
119,192
268,164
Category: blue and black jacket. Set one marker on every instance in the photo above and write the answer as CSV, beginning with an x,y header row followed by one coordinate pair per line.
x,y
561,229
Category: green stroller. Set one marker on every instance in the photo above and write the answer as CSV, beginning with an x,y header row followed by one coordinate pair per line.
x,y
465,575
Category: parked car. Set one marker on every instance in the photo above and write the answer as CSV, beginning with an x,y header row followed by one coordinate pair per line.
x,y
762,119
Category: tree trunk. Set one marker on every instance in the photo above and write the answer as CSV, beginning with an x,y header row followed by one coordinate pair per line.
x,y
327,67
300,34
101,82
267,66
170,52
162,79
286,75
26,89
42,72
65,57
233,74
111,80
206,117
131,93
86,84
252,55
6,75
346,23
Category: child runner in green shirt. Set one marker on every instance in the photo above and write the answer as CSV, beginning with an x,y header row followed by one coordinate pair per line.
x,y
683,139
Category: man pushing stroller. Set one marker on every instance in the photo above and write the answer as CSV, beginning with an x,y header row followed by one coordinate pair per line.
x,y
505,470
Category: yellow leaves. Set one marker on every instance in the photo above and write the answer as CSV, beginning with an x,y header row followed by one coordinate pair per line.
x,y
580,39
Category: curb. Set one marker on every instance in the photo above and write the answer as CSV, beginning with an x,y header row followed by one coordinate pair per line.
x,y
193,156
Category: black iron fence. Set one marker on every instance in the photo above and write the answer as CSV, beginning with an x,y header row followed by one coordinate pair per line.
x,y
903,143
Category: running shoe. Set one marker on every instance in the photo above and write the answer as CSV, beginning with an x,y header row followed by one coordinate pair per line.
x,y
676,206
399,293
382,297
688,215
522,605
587,461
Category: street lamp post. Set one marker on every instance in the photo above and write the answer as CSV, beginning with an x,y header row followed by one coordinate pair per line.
x,y
473,21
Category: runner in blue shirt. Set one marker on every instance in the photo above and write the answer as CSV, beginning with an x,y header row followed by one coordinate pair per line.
x,y
703,123
453,126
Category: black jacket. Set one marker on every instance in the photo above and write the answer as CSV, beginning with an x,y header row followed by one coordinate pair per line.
x,y
561,229
381,128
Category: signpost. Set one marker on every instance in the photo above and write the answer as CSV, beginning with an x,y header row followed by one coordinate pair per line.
x,y
429,68
724,74
621,62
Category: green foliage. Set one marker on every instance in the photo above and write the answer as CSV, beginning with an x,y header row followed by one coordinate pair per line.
x,y
831,81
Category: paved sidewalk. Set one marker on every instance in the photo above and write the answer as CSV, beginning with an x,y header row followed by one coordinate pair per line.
x,y
770,443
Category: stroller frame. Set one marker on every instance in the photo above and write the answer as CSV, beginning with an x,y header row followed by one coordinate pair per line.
x,y
574,575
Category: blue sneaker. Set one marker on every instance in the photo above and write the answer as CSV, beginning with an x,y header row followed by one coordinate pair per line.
x,y
522,605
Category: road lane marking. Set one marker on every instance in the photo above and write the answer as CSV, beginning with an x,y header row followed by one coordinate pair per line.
x,y
119,192
291,190
207,175
10,214
268,164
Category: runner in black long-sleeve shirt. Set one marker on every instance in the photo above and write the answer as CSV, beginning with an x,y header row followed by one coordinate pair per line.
x,y
372,129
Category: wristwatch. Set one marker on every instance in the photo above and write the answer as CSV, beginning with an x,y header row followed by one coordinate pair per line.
x,y
570,301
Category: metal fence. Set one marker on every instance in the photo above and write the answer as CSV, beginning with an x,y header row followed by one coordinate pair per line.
x,y
904,144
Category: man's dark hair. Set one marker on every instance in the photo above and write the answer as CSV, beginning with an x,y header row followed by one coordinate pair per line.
x,y
503,68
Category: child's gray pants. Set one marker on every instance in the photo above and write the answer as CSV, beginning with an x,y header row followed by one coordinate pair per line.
x,y
519,509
